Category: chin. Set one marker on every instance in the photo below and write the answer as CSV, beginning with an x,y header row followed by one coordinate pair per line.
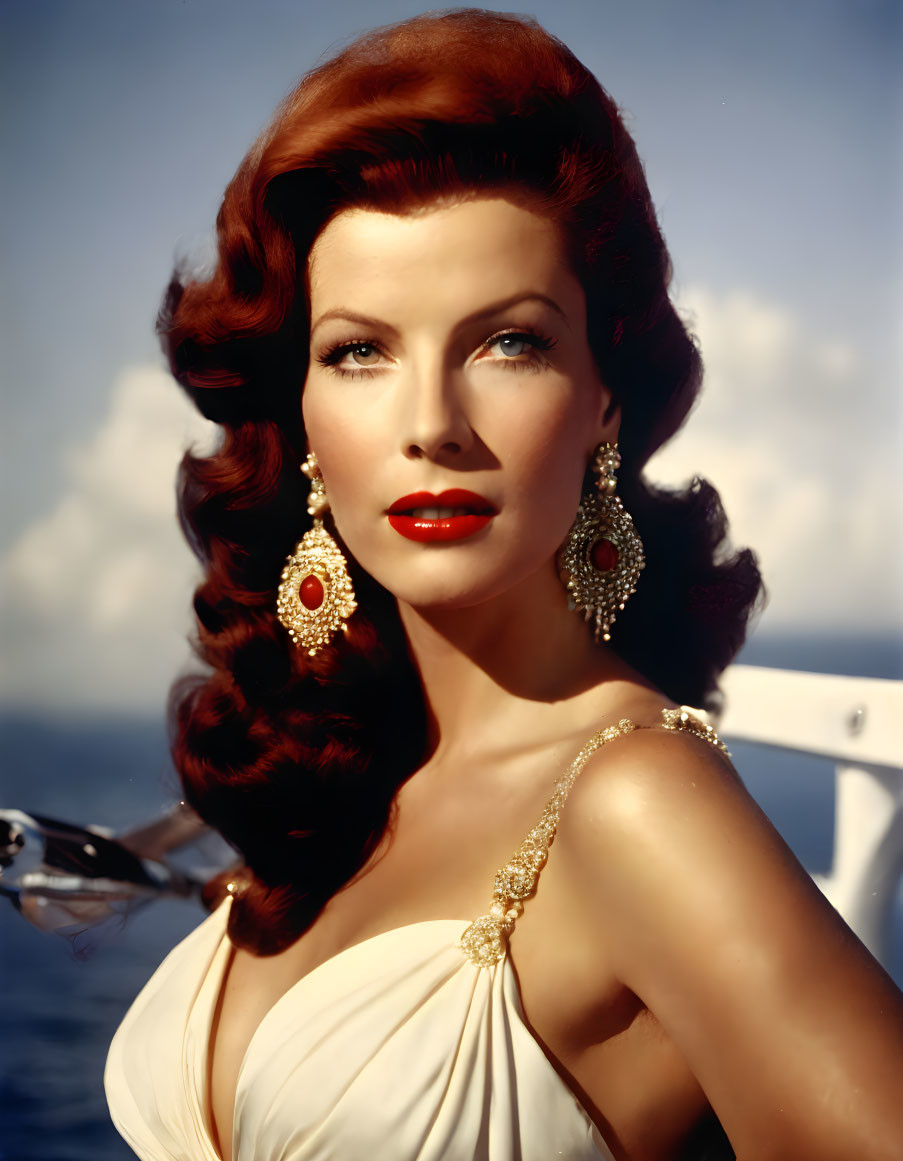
x,y
457,592
429,599
443,580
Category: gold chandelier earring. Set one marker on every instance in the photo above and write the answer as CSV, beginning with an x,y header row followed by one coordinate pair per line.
x,y
602,557
315,596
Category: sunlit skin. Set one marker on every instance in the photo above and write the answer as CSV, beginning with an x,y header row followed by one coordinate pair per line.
x,y
436,401
675,955
447,394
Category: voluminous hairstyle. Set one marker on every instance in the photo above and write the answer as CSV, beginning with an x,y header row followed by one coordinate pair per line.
x,y
296,760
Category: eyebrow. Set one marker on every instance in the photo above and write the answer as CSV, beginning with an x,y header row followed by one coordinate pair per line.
x,y
477,316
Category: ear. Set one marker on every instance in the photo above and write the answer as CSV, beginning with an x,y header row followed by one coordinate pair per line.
x,y
609,420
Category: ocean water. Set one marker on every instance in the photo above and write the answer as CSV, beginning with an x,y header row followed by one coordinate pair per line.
x,y
63,1003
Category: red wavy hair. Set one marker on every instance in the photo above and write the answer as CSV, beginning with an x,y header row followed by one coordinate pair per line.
x,y
297,760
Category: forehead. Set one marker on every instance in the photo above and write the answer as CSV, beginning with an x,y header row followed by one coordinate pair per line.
x,y
442,256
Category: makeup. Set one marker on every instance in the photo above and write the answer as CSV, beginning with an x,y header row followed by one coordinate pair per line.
x,y
455,514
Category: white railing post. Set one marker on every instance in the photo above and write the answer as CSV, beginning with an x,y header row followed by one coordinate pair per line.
x,y
857,721
868,851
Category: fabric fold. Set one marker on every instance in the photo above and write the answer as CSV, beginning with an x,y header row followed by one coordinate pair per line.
x,y
398,1048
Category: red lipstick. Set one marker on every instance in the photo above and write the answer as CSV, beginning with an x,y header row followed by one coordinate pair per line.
x,y
452,515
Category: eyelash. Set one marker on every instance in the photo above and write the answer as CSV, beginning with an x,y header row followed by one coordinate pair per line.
x,y
333,356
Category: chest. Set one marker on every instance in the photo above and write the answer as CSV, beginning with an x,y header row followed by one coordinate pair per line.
x,y
434,866
401,1048
438,862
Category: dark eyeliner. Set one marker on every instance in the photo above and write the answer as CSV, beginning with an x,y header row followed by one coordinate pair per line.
x,y
334,355
537,341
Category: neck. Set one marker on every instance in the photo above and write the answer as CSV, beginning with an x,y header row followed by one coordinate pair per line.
x,y
497,669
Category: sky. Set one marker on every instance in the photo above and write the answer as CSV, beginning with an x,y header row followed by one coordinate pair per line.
x,y
771,134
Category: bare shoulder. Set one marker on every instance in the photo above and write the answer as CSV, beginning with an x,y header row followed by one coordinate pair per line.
x,y
643,784
707,916
660,825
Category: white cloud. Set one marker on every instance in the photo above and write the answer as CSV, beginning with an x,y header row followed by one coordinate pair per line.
x,y
806,476
97,592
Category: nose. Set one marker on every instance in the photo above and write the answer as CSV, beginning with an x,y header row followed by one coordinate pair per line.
x,y
436,425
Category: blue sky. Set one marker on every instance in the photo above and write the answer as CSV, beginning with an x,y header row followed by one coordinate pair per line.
x,y
771,133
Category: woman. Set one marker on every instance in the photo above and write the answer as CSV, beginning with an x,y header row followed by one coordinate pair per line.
x,y
441,289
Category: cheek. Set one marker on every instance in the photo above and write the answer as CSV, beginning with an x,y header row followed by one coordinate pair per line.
x,y
551,457
339,446
318,416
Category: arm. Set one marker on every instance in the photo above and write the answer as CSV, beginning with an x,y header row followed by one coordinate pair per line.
x,y
793,1030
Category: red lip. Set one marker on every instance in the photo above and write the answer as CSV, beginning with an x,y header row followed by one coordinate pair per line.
x,y
480,512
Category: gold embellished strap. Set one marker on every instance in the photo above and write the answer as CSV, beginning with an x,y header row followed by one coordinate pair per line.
x,y
486,939
683,718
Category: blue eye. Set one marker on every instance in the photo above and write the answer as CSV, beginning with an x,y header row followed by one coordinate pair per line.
x,y
512,345
361,358
519,347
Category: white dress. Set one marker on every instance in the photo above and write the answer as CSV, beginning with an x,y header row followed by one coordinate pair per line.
x,y
409,1046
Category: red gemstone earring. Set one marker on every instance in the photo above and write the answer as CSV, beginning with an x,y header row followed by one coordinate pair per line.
x,y
315,596
602,557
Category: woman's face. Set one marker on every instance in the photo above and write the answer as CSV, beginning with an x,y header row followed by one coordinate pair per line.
x,y
449,352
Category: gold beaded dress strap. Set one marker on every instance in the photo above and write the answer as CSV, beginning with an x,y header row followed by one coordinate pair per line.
x,y
486,940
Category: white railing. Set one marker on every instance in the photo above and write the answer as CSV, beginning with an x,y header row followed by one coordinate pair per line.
x,y
858,722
